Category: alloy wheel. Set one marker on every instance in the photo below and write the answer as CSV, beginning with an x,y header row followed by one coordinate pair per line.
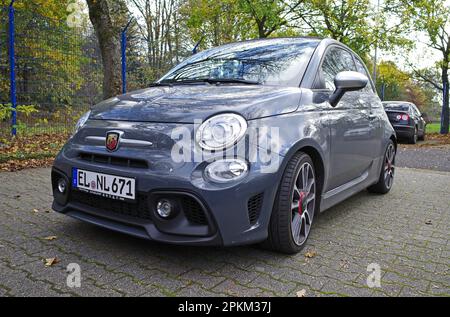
x,y
389,167
303,203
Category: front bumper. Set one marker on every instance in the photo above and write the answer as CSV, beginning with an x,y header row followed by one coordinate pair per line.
x,y
234,215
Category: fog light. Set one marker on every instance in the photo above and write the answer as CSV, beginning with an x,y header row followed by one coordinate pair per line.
x,y
62,185
164,208
229,170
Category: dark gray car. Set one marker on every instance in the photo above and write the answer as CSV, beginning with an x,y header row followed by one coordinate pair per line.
x,y
239,144
406,119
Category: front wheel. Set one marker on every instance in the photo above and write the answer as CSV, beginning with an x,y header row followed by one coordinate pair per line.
x,y
294,207
422,137
386,179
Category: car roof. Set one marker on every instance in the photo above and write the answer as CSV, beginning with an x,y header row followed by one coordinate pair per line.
x,y
274,40
406,103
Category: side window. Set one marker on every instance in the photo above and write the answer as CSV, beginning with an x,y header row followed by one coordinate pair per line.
x,y
337,60
361,69
417,111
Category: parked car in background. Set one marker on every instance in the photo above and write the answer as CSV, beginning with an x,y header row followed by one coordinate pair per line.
x,y
329,139
406,119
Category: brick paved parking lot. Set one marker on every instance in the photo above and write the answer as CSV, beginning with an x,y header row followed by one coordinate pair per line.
x,y
406,233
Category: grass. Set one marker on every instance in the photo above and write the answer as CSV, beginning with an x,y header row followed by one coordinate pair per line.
x,y
433,127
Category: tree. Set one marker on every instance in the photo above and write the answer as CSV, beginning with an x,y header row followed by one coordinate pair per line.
x,y
108,18
53,9
50,55
219,22
392,79
160,28
216,22
356,23
432,18
269,15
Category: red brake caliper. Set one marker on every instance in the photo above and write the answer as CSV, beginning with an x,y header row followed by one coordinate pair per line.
x,y
300,203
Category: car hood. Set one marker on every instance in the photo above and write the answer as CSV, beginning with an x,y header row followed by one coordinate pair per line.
x,y
186,103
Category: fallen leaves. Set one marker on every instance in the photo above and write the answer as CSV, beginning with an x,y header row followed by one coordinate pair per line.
x,y
310,254
428,222
30,151
17,165
51,261
35,210
301,293
432,139
50,238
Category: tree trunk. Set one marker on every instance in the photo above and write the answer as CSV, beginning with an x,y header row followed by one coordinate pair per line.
x,y
108,18
445,108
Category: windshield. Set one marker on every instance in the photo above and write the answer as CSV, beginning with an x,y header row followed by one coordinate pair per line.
x,y
280,62
396,107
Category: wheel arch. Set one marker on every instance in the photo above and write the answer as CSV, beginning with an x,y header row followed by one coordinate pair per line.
x,y
313,149
394,139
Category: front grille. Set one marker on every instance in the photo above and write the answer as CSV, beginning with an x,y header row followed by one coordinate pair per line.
x,y
139,209
112,160
254,208
193,211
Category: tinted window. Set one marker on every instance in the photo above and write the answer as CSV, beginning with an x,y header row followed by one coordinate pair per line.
x,y
336,60
396,107
279,62
361,69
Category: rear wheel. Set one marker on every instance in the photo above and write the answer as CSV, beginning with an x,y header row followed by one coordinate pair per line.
x,y
413,138
294,207
386,179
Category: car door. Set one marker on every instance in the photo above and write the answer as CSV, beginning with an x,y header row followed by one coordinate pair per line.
x,y
350,153
372,103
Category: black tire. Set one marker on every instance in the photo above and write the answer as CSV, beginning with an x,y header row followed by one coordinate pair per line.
x,y
422,137
413,138
280,236
383,186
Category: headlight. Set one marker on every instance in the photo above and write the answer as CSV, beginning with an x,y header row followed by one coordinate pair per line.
x,y
84,118
221,131
224,171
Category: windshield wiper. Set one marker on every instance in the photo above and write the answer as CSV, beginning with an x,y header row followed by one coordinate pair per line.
x,y
210,81
232,80
161,84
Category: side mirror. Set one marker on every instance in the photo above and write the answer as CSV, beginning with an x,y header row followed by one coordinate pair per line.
x,y
347,81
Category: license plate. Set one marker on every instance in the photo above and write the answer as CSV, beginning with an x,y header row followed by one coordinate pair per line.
x,y
106,185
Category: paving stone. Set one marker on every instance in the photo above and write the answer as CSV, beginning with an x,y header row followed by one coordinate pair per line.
x,y
387,230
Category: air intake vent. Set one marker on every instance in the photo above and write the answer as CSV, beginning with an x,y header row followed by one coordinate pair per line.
x,y
112,160
139,209
254,208
193,211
